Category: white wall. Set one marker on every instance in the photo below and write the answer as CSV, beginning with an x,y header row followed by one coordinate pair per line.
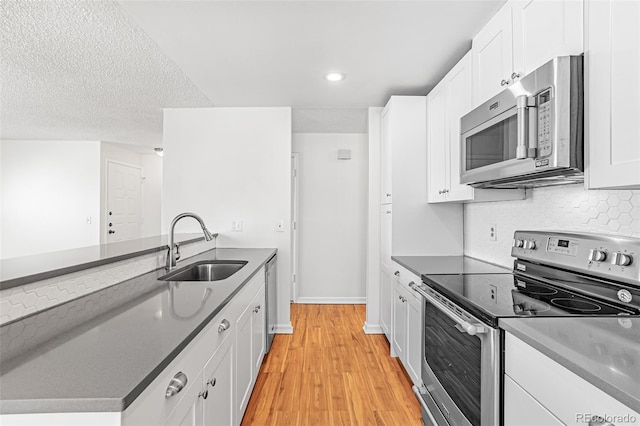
x,y
568,208
232,164
332,217
151,196
49,188
372,322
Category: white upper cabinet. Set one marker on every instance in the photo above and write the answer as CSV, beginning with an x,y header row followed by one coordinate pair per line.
x,y
544,29
522,36
612,74
446,104
493,56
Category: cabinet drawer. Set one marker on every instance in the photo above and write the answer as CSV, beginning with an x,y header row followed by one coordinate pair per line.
x,y
566,395
521,409
404,276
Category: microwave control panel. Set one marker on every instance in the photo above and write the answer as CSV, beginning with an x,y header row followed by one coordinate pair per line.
x,y
544,123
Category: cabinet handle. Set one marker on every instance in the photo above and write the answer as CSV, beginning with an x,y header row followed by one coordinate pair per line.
x,y
212,382
504,82
204,394
177,383
224,325
599,421
388,211
514,76
256,309
396,273
388,195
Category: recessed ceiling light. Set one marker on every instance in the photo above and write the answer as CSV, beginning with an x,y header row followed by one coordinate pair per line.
x,y
334,76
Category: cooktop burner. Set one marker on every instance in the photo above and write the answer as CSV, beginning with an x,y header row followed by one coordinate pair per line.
x,y
576,305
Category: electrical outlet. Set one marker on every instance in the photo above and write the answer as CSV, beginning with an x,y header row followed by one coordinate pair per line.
x,y
236,225
493,293
493,232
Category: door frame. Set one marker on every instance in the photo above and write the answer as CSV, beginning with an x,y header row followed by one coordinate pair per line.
x,y
295,246
105,197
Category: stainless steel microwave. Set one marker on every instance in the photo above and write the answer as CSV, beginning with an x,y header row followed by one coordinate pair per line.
x,y
530,134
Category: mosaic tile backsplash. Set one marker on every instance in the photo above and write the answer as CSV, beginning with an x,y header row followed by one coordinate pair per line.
x,y
21,301
563,208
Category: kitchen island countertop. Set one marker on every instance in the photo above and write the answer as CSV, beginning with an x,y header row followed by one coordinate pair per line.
x,y
97,353
605,351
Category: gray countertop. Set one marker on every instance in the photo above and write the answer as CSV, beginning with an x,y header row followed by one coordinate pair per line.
x,y
99,352
24,270
442,265
605,351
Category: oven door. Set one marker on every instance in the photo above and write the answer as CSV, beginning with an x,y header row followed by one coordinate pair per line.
x,y
461,366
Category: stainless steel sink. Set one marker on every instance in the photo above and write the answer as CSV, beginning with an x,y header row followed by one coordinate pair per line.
x,y
209,270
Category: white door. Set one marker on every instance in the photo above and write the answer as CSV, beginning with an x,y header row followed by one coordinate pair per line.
x,y
123,202
437,143
295,160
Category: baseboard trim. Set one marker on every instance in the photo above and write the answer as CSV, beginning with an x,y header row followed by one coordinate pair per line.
x,y
372,329
284,329
332,300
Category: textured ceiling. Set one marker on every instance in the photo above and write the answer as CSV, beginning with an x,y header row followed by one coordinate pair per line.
x,y
82,70
276,53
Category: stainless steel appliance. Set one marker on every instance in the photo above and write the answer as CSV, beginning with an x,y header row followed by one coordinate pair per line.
x,y
554,274
530,134
271,280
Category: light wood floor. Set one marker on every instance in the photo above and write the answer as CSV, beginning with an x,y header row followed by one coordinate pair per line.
x,y
330,373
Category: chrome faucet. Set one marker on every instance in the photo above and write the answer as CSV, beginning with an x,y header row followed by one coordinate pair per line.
x,y
174,252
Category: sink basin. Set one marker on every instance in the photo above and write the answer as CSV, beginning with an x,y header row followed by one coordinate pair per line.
x,y
208,270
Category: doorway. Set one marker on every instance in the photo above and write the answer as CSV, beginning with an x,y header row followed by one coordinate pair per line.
x,y
295,160
123,202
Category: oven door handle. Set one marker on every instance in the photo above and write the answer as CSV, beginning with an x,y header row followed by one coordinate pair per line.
x,y
461,323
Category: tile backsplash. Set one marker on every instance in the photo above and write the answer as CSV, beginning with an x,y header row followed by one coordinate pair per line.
x,y
562,208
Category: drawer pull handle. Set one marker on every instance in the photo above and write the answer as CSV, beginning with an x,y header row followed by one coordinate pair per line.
x,y
178,382
224,325
212,382
204,394
599,421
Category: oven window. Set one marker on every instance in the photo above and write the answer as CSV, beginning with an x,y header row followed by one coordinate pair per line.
x,y
455,359
493,144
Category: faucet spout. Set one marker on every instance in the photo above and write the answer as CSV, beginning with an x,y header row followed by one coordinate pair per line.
x,y
171,256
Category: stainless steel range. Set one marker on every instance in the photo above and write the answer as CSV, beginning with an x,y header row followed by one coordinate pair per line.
x,y
554,274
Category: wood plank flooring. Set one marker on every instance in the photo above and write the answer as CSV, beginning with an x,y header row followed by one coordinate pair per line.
x,y
328,372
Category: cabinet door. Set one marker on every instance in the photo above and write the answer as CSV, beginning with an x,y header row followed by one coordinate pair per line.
x,y
399,322
244,359
385,303
492,56
521,409
259,337
385,157
414,339
613,93
385,237
459,82
218,408
544,29
437,143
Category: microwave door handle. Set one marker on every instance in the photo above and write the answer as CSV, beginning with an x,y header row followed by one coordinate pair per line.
x,y
526,147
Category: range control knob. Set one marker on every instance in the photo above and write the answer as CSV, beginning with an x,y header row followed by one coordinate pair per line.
x,y
621,259
596,255
518,243
529,244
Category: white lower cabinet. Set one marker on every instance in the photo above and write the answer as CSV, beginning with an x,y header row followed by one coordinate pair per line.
x,y
540,391
406,337
221,366
250,345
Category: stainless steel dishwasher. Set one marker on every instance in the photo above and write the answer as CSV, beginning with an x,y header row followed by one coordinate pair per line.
x,y
271,282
